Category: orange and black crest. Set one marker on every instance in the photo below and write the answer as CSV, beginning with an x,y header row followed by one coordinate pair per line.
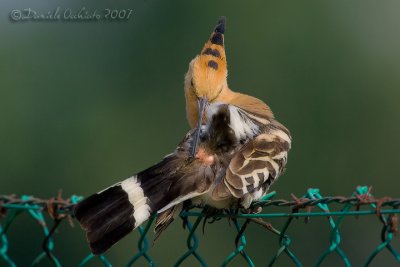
x,y
213,51
207,74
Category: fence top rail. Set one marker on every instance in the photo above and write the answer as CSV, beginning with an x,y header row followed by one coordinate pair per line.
x,y
311,204
300,206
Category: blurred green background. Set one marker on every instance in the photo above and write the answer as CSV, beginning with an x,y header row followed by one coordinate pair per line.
x,y
86,104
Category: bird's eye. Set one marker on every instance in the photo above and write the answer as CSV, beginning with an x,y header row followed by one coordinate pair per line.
x,y
192,83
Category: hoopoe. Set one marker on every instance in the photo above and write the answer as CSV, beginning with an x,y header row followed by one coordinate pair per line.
x,y
264,141
233,153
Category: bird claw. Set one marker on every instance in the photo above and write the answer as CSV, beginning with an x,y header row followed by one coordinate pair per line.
x,y
210,216
252,210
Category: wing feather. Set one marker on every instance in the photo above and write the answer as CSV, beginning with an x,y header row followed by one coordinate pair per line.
x,y
258,163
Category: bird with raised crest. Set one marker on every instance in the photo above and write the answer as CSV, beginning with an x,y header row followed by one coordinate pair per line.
x,y
233,153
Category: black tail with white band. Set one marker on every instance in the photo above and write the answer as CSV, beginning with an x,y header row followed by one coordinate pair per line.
x,y
114,212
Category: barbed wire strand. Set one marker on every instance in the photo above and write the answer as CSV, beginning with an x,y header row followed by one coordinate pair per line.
x,y
59,209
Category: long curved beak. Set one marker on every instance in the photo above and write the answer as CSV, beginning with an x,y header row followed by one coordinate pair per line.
x,y
202,105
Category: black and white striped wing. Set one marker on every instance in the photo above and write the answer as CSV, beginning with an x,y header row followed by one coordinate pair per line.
x,y
258,164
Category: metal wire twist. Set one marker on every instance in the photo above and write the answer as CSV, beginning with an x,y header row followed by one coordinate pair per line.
x,y
58,209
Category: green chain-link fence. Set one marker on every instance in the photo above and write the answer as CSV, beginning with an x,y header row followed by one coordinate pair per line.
x,y
58,209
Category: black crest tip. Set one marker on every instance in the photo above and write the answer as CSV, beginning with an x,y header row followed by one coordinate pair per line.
x,y
220,25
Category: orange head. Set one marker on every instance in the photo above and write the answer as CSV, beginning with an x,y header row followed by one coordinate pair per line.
x,y
207,72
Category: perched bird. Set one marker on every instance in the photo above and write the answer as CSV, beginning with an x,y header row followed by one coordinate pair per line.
x,y
265,141
233,153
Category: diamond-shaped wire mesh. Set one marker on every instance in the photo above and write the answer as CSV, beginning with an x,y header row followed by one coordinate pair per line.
x,y
59,209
